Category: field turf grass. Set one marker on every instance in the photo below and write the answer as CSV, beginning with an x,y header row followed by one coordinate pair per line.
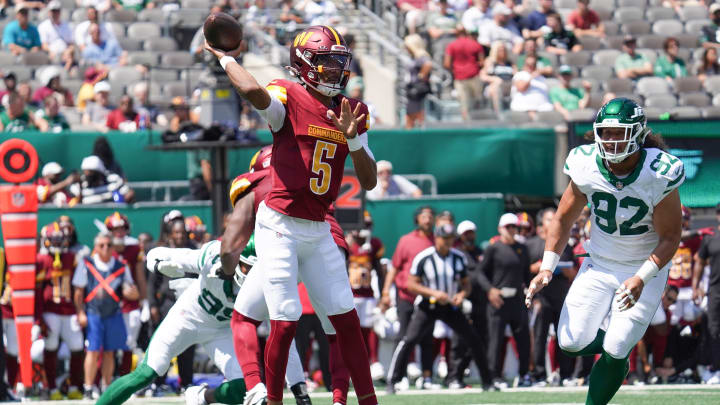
x,y
645,395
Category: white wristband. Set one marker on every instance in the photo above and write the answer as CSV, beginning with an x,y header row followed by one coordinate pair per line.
x,y
225,60
550,261
647,271
354,143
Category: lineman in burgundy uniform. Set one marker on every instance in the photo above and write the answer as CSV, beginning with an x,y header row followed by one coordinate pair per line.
x,y
314,130
246,193
56,266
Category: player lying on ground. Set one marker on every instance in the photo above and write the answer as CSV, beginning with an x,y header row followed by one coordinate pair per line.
x,y
631,184
200,316
247,191
314,129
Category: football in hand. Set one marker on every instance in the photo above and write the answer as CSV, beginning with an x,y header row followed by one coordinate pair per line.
x,y
222,31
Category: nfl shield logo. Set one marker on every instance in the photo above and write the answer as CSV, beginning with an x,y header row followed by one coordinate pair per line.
x,y
18,199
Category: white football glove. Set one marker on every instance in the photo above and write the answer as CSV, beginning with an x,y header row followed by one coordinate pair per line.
x,y
160,260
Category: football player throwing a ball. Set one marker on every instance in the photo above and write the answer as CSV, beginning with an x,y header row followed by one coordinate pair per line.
x,y
631,184
314,130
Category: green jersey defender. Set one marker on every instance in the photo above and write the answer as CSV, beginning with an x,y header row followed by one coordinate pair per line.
x,y
631,187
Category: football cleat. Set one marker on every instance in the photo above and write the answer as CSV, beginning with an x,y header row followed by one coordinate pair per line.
x,y
256,396
377,371
56,395
74,393
195,395
300,392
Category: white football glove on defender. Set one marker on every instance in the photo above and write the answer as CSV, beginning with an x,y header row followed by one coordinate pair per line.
x,y
160,259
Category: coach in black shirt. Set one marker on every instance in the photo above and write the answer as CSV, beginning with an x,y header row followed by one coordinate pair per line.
x,y
504,271
709,253
438,276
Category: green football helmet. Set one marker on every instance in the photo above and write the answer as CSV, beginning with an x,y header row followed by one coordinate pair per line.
x,y
247,257
620,113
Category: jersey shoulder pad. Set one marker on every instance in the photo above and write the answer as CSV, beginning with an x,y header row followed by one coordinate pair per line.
x,y
279,89
208,252
666,168
243,184
578,160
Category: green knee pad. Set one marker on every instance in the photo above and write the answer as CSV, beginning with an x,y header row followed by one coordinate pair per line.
x,y
121,390
595,347
231,392
606,377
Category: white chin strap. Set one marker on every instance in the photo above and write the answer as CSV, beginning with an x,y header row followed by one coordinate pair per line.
x,y
324,89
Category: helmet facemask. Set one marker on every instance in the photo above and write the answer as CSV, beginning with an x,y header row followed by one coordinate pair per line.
x,y
633,138
328,72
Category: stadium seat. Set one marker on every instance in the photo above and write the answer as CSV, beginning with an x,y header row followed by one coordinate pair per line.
x,y
653,85
617,85
118,29
160,44
79,15
603,12
667,27
121,15
72,115
695,26
35,58
597,72
651,54
712,84
606,57
154,15
550,118
174,89
651,41
202,4
550,56
187,18
711,112
130,44
517,116
636,28
564,13
695,99
653,113
685,112
631,3
551,82
611,27
143,30
615,41
624,15
7,59
661,101
163,75
577,82
143,58
688,40
590,43
596,100
73,85
565,3
687,84
583,115
192,75
176,59
124,74
659,13
688,13
580,58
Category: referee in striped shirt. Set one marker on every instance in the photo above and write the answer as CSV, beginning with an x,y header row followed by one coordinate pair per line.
x,y
439,277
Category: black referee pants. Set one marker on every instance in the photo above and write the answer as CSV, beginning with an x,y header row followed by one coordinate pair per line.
x,y
713,312
513,312
421,324
405,311
549,314
462,352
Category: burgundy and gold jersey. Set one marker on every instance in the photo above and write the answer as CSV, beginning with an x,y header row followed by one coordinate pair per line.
x,y
259,182
131,255
56,273
308,155
681,270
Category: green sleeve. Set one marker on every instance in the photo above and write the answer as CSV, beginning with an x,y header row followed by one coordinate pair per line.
x,y
662,68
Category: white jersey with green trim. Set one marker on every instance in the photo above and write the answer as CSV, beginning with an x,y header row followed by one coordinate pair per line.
x,y
622,233
207,297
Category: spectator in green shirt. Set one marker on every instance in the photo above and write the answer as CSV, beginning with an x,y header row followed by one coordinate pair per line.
x,y
137,5
544,66
559,41
566,98
15,117
670,65
50,119
632,65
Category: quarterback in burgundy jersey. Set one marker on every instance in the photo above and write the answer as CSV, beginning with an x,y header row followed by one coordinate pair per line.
x,y
247,191
314,130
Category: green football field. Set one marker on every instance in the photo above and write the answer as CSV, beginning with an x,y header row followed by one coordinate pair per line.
x,y
647,395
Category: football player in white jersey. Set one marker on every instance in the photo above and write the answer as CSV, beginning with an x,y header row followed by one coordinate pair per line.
x,y
201,315
631,185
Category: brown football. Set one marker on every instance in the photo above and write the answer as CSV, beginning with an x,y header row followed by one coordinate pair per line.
x,y
222,31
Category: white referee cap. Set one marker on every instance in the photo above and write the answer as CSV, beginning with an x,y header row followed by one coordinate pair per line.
x,y
508,219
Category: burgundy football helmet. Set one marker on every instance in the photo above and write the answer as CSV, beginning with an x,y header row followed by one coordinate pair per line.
x,y
320,58
261,159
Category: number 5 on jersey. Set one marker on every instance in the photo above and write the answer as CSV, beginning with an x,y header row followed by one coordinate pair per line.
x,y
323,150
